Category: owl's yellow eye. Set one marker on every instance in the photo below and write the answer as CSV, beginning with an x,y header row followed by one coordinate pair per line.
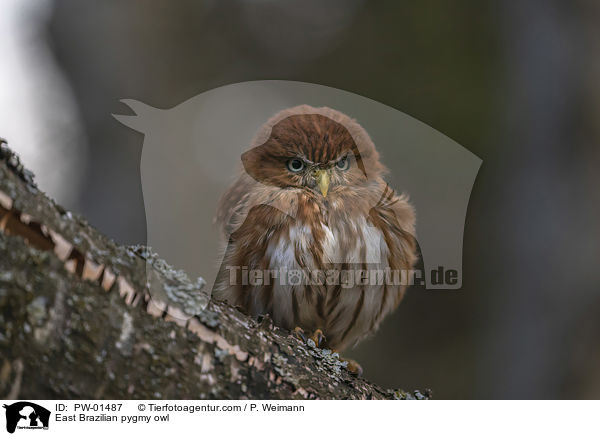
x,y
295,165
343,164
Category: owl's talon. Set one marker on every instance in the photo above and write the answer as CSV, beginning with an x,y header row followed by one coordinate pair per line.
x,y
319,338
352,366
299,334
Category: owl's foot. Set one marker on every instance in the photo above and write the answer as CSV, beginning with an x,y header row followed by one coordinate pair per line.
x,y
298,332
317,337
353,366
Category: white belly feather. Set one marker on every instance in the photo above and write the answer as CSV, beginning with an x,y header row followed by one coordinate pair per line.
x,y
368,248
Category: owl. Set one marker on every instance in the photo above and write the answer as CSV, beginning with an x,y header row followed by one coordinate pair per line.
x,y
312,231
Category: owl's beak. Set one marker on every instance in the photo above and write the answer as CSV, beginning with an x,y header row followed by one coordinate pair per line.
x,y
322,177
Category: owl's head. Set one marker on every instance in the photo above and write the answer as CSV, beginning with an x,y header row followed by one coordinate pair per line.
x,y
319,149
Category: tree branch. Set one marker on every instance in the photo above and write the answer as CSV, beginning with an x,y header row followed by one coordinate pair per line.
x,y
78,320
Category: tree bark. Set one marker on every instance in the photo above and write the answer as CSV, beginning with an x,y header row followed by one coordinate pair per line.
x,y
79,320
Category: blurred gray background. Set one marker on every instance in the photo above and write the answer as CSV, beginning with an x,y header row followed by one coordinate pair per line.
x,y
516,82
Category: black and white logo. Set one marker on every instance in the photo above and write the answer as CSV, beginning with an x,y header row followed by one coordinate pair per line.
x,y
26,415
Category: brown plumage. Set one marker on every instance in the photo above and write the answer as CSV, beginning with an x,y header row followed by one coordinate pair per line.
x,y
311,198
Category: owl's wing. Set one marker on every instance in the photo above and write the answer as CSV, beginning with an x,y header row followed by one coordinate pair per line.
x,y
233,206
247,247
395,218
